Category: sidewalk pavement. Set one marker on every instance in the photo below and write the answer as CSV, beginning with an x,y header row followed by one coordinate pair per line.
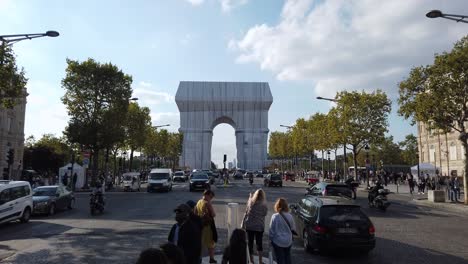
x,y
422,200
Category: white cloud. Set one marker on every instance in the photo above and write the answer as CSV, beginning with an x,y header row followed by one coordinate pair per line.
x,y
195,2
228,5
186,39
350,45
148,96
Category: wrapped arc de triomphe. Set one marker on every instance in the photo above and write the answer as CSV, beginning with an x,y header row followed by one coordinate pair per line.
x,y
243,105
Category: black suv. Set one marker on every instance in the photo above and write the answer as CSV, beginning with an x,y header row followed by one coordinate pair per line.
x,y
330,189
333,223
273,180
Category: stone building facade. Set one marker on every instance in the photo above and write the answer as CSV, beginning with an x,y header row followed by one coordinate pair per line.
x,y
443,150
12,137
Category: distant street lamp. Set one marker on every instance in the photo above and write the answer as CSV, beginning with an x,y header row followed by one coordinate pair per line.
x,y
345,169
12,39
161,126
328,156
438,13
133,99
366,149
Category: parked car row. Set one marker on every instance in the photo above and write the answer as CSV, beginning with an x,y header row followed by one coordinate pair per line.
x,y
19,202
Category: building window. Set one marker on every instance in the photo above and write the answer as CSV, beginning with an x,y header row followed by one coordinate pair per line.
x,y
9,124
432,154
453,151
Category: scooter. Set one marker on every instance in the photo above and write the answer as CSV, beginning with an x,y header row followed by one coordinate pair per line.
x,y
96,203
380,201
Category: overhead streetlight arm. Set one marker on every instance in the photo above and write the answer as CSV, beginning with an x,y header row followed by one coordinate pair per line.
x,y
438,13
162,126
12,39
326,99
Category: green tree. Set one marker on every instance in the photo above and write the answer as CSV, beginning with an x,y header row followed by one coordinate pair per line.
x,y
138,123
96,95
364,118
437,95
174,148
409,150
12,80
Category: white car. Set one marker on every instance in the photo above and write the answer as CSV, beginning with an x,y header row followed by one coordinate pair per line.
x,y
16,201
179,176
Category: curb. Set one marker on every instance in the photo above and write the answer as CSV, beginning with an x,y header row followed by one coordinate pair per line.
x,y
459,208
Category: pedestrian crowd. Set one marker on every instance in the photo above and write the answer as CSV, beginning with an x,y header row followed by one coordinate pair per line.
x,y
195,231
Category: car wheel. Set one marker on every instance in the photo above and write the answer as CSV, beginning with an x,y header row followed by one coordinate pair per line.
x,y
52,209
306,244
26,215
71,204
281,185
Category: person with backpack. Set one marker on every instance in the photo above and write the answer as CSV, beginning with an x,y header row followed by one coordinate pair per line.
x,y
282,229
254,222
236,252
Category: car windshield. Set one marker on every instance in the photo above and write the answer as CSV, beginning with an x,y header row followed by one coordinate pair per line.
x,y
199,177
45,191
275,177
127,178
179,174
159,175
336,190
338,214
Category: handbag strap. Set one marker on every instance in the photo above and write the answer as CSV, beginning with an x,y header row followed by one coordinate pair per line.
x,y
286,220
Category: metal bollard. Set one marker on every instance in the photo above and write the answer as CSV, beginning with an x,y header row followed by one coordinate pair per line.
x,y
397,187
232,217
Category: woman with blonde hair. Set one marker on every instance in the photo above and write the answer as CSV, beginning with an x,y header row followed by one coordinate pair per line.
x,y
282,229
254,222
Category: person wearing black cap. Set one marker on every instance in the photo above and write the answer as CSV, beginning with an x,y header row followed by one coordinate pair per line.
x,y
183,233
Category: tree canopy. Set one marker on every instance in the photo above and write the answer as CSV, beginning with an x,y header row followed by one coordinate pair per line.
x,y
12,80
437,95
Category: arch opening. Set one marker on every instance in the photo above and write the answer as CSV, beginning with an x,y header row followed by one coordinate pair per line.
x,y
224,142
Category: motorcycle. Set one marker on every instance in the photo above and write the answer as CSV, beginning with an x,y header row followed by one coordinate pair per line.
x,y
380,200
96,203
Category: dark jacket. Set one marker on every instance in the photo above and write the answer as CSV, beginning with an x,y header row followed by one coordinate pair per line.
x,y
189,240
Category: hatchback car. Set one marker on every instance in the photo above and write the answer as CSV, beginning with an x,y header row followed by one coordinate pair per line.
x,y
333,223
15,201
179,176
273,180
330,189
49,199
199,181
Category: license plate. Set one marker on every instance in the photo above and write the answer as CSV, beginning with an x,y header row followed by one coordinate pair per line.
x,y
347,230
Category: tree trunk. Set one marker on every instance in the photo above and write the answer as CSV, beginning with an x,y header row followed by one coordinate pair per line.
x,y
355,161
336,149
130,167
323,171
464,140
95,172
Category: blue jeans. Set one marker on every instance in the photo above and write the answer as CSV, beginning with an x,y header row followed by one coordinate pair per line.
x,y
453,195
282,254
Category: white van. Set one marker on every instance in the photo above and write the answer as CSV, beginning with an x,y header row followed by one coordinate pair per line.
x,y
160,179
15,201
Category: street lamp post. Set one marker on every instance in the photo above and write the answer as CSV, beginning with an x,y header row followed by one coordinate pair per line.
x,y
345,169
438,13
366,149
328,157
295,154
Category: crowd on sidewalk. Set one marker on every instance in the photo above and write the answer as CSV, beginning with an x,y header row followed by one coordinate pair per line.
x,y
195,231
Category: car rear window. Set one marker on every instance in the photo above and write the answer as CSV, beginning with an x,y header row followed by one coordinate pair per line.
x,y
338,190
275,177
332,214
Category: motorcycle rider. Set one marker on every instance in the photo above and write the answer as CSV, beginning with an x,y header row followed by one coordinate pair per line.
x,y
251,178
98,191
350,184
374,191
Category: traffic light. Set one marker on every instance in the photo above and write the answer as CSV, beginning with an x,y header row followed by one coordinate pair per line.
x,y
225,158
5,174
10,156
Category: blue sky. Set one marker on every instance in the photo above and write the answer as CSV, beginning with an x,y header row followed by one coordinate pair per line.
x,y
303,48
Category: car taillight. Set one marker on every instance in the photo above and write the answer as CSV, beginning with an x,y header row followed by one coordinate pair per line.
x,y
320,229
371,230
